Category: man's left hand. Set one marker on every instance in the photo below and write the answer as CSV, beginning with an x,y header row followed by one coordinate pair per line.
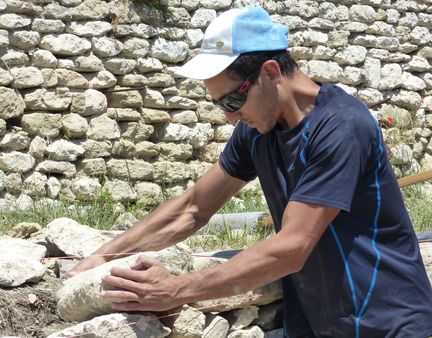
x,y
147,286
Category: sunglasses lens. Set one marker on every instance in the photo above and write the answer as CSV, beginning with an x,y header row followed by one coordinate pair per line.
x,y
232,103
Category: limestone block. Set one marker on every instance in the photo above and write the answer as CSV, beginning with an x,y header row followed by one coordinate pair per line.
x,y
53,167
120,66
170,172
2,127
420,35
351,55
14,58
62,150
370,97
201,134
37,147
146,149
124,221
178,102
148,193
325,71
85,187
198,168
103,128
160,80
15,141
95,149
120,191
189,323
320,23
210,152
209,113
149,65
11,103
241,318
417,64
89,63
34,185
153,116
154,99
74,125
169,51
400,154
362,13
252,332
70,78
13,183
216,327
24,230
89,28
19,262
183,116
14,21
194,37
175,152
117,325
102,79
79,298
94,167
16,162
380,28
91,102
172,132
132,80
48,99
314,37
391,76
47,25
42,124
136,132
123,149
406,99
4,38
202,17
53,187
24,40
130,169
354,75
338,38
49,77
57,12
401,118
5,77
125,99
140,30
65,44
91,10
106,46
135,47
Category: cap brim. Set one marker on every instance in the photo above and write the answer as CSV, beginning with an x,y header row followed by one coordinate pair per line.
x,y
205,66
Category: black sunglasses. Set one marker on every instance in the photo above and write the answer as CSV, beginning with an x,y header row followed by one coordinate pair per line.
x,y
235,99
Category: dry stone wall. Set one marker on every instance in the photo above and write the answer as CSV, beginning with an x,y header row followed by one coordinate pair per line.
x,y
89,100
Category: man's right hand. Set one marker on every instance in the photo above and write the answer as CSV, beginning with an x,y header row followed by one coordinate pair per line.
x,y
86,264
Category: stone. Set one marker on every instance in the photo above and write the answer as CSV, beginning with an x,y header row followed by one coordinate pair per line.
x,y
198,168
183,116
124,221
124,98
149,65
123,149
65,44
14,58
49,77
5,77
58,99
135,47
370,97
391,75
406,99
91,10
169,51
103,128
401,118
37,147
200,135
172,132
62,150
351,55
354,76
14,21
85,188
47,25
54,167
89,28
160,80
216,326
74,125
70,78
132,80
189,323
209,113
93,167
420,35
202,17
417,64
170,172
42,124
66,236
175,152
120,66
24,40
194,37
15,141
154,99
252,332
13,183
120,191
24,230
123,114
106,46
270,316
400,154
34,185
11,103
90,102
148,193
130,169
136,132
57,12
241,318
362,13
146,149
53,187
101,80
117,325
16,162
325,71
210,152
79,298
2,127
20,262
89,63
153,116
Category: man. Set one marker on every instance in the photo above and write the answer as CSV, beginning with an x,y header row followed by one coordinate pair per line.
x,y
345,249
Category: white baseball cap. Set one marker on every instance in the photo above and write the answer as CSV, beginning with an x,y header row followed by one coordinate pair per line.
x,y
236,31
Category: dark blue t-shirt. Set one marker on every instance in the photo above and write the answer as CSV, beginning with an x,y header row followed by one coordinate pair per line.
x,y
365,277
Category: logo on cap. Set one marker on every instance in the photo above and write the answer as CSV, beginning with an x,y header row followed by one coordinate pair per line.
x,y
219,44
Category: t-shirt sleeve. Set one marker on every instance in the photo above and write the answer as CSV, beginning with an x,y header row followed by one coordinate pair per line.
x,y
236,157
338,153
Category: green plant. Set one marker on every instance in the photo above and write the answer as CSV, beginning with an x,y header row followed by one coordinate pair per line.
x,y
419,205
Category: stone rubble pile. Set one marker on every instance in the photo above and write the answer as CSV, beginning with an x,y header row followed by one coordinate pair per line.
x,y
255,314
89,100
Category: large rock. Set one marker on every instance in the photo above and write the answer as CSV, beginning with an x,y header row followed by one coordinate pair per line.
x,y
66,236
11,103
117,325
20,262
65,44
80,297
16,162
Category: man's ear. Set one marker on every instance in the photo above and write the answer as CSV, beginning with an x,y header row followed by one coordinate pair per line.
x,y
272,70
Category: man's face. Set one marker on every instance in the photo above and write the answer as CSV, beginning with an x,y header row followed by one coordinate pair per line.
x,y
258,111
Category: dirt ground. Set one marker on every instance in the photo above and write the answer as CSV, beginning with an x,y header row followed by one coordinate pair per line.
x,y
31,310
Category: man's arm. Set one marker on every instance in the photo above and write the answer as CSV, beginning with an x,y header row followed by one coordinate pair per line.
x,y
173,221
154,289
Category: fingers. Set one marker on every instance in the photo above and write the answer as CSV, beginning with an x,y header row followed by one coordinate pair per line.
x,y
144,262
123,282
120,296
